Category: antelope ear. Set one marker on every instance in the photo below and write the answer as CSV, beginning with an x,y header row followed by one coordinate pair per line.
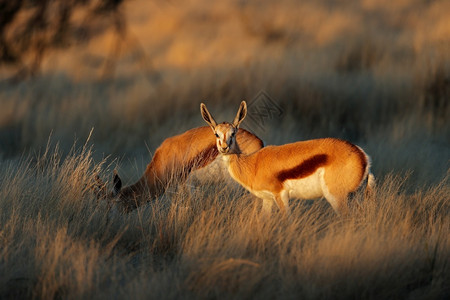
x,y
117,183
207,117
240,116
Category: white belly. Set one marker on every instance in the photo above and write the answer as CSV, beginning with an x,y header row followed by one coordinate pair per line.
x,y
306,188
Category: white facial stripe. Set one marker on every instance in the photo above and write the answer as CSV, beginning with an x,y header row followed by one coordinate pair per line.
x,y
228,136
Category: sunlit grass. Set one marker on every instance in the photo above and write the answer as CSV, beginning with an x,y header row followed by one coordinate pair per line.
x,y
211,241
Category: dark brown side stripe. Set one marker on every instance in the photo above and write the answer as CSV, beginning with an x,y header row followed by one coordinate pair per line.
x,y
306,168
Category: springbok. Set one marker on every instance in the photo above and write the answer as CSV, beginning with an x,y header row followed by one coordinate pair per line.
x,y
174,159
328,167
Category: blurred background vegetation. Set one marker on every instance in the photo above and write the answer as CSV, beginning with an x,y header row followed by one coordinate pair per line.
x,y
374,72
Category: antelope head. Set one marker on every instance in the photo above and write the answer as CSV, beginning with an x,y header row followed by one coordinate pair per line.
x,y
225,132
101,191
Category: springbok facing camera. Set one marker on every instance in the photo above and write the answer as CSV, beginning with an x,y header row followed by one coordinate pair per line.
x,y
329,167
175,159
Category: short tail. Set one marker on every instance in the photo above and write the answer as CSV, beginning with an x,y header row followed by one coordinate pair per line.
x,y
370,187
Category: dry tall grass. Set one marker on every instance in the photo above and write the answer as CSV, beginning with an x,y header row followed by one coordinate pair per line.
x,y
374,72
210,241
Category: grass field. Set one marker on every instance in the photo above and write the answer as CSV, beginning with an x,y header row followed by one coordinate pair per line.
x,y
376,73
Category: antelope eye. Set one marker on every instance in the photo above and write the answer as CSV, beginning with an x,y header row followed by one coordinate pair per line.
x,y
216,134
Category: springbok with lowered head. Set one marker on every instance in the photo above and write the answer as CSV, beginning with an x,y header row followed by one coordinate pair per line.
x,y
328,167
173,161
